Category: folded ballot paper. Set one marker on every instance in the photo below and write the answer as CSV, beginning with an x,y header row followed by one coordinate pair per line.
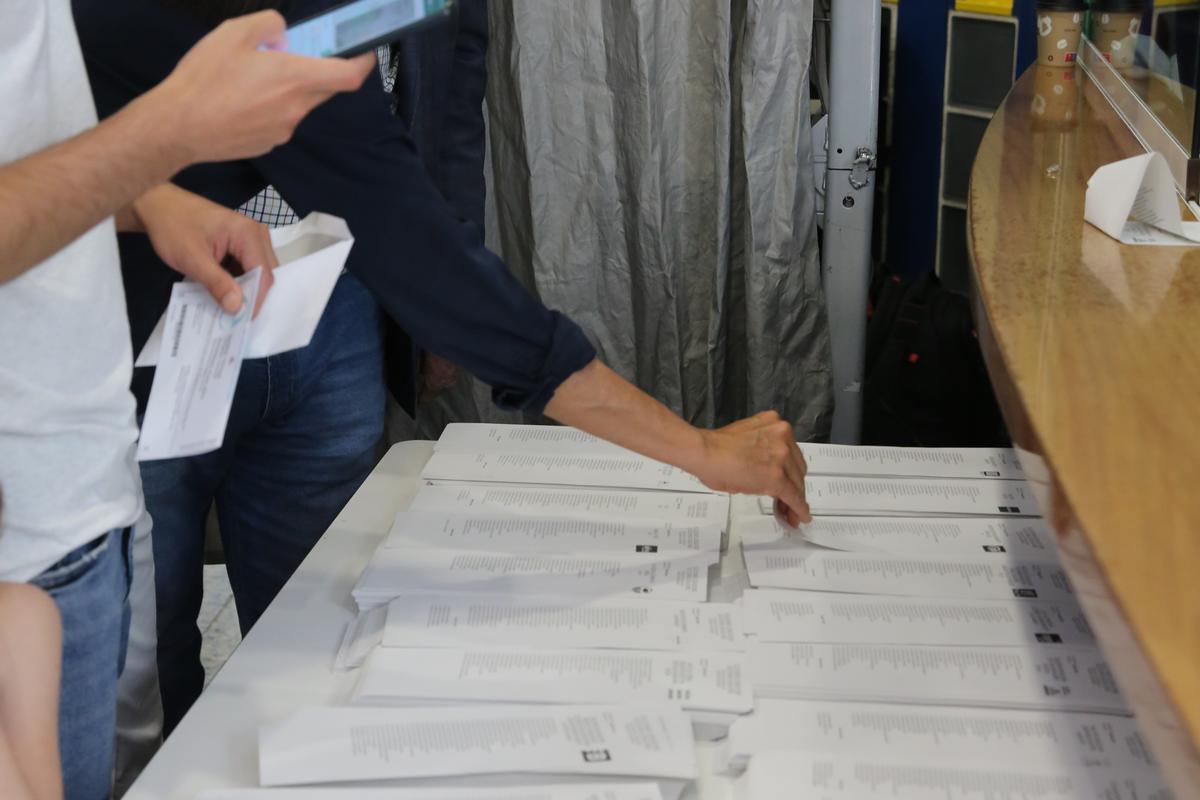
x,y
701,681
466,620
947,735
1135,202
1052,677
651,576
868,775
899,497
911,462
791,616
796,564
572,791
311,256
616,535
347,744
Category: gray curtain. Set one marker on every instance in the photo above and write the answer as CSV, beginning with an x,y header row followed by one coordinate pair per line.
x,y
650,176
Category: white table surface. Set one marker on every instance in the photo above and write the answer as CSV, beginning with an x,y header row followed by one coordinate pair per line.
x,y
286,661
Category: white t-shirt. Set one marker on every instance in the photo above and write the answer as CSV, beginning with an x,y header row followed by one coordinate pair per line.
x,y
67,426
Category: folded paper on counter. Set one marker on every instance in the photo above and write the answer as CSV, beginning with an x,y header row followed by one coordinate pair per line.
x,y
1135,202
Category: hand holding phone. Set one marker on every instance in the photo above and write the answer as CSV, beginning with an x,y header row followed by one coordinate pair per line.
x,y
362,25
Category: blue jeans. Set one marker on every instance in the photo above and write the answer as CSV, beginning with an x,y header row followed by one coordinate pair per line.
x,y
302,437
91,587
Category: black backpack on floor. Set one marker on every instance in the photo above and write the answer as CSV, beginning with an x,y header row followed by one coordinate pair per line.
x,y
926,384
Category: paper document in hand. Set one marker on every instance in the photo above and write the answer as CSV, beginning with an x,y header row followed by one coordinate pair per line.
x,y
586,503
323,745
1048,677
481,531
311,255
194,384
772,776
1025,538
694,680
884,497
1135,202
983,736
797,616
911,462
799,565
558,791
436,620
615,470
392,572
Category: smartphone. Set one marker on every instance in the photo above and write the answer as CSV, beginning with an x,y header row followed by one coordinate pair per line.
x,y
361,25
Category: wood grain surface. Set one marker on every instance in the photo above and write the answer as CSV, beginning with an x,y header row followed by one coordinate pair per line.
x,y
1094,349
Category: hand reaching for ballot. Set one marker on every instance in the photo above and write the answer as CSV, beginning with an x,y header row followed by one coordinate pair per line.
x,y
758,455
197,238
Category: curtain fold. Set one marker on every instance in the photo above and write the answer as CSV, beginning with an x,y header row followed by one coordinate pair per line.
x,y
650,175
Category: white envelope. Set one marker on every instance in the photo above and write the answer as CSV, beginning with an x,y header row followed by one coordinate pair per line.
x,y
311,256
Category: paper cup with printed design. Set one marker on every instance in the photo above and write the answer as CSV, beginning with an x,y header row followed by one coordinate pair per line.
x,y
1115,28
1059,29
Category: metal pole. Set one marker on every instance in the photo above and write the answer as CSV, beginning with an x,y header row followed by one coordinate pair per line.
x,y
850,200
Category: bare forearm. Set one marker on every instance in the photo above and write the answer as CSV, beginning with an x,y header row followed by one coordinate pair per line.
x,y
757,455
604,404
54,196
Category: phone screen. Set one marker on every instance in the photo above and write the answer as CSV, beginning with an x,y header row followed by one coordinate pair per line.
x,y
356,27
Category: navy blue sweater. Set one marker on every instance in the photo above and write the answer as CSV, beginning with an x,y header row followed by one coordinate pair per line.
x,y
414,207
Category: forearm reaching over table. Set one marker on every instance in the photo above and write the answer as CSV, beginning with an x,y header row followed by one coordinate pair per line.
x,y
758,455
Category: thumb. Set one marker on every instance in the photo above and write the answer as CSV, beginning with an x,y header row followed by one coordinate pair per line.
x,y
205,271
262,28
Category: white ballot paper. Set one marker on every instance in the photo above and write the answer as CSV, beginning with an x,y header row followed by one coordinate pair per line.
x,y
475,437
323,745
798,565
911,462
694,680
887,497
624,470
587,503
193,387
863,776
573,791
482,531
1026,538
393,572
791,616
1047,677
1135,202
311,255
985,736
432,620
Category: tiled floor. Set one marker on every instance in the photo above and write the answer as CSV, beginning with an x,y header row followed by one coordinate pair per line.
x,y
218,621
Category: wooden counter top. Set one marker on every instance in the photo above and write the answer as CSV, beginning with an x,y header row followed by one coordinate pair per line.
x,y
1094,349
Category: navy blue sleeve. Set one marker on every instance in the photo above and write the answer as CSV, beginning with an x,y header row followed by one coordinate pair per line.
x,y
459,166
429,271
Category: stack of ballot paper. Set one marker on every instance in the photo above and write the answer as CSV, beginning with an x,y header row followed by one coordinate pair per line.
x,y
845,495
865,775
543,454
393,571
1038,677
962,736
557,791
510,745
456,621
